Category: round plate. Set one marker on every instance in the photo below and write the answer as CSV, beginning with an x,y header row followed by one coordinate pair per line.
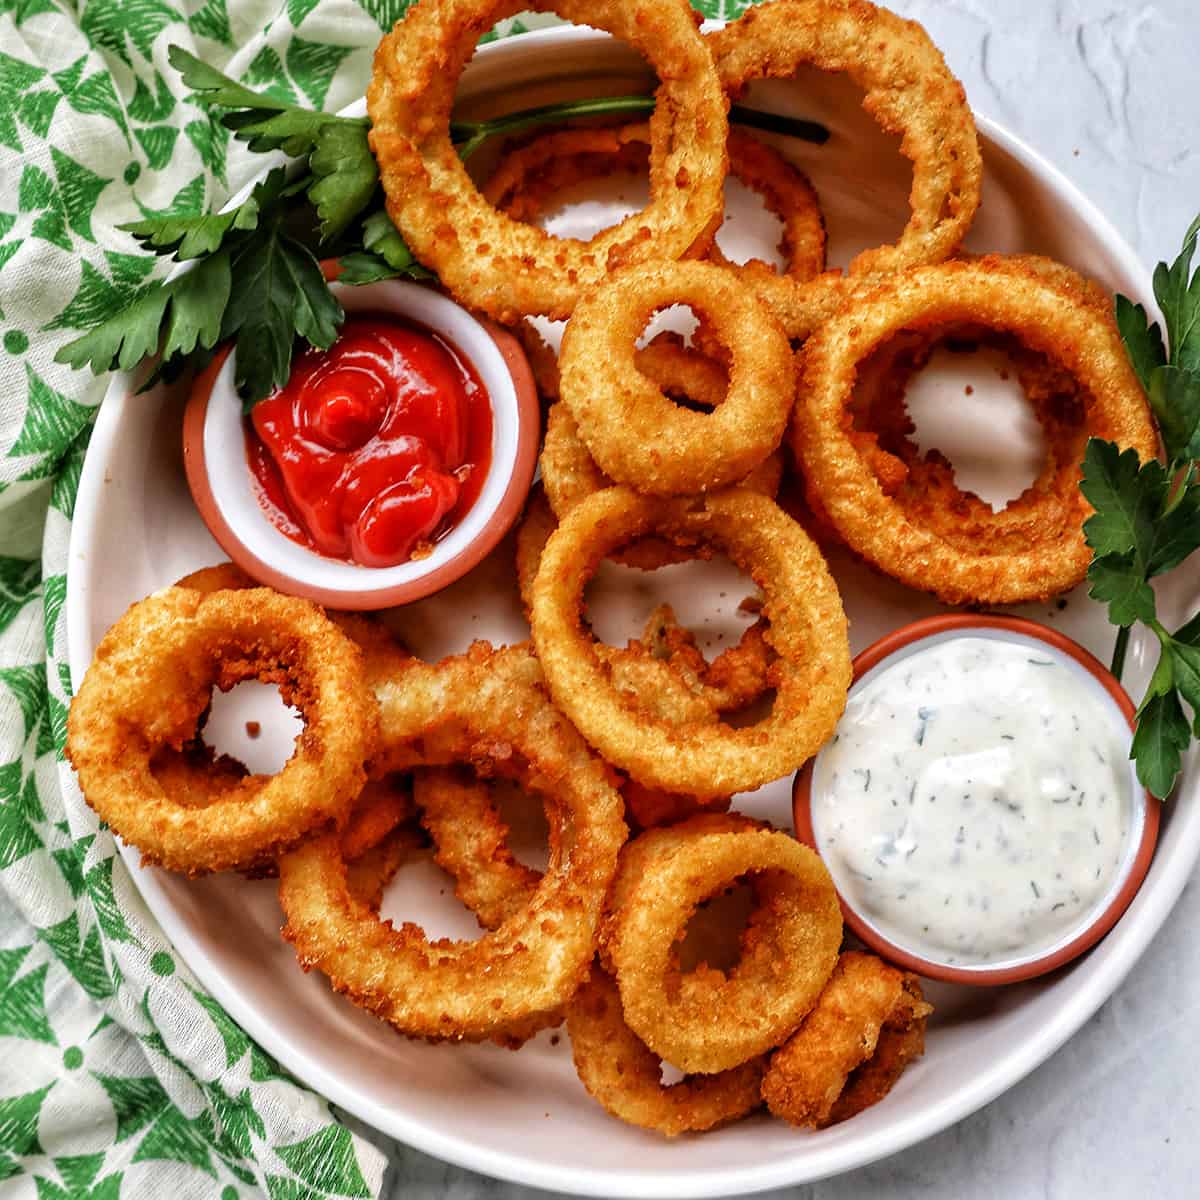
x,y
524,1116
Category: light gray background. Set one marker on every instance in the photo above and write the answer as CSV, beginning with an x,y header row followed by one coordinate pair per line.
x,y
1109,92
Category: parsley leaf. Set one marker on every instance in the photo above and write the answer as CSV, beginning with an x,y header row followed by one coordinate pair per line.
x,y
1177,291
1143,340
1162,735
1126,495
1117,582
198,300
281,293
1185,675
209,86
345,175
201,234
186,309
1175,398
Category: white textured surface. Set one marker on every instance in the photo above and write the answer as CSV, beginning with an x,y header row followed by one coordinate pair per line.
x,y
1105,90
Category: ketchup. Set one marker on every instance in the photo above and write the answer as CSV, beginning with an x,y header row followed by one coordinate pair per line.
x,y
375,448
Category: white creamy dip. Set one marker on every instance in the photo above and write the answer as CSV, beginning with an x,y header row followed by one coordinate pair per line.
x,y
975,802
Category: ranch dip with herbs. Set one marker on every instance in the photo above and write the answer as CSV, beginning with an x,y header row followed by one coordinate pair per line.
x,y
975,802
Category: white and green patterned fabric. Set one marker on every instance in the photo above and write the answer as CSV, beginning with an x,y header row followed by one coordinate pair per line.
x,y
119,1076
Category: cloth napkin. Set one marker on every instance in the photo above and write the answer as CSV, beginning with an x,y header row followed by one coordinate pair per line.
x,y
119,1076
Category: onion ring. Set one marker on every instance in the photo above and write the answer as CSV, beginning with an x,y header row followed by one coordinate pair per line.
x,y
808,1074
151,680
569,473
529,174
486,707
382,806
470,844
626,1078
909,91
1010,297
372,871
868,1084
807,632
501,266
636,434
709,1020
925,486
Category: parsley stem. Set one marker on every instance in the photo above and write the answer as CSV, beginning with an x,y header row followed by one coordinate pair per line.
x,y
1118,657
470,135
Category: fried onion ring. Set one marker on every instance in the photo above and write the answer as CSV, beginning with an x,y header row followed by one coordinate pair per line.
x,y
529,174
487,708
152,679
807,1075
710,1020
636,434
807,632
626,1078
382,806
1010,297
737,677
909,91
460,813
501,266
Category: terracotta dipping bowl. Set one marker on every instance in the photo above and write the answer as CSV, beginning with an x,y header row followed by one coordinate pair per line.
x,y
223,487
1143,830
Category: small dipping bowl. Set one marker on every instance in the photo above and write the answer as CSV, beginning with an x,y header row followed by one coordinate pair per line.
x,y
222,484
1140,837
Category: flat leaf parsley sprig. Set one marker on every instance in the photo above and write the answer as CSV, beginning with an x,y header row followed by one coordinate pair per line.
x,y
331,202
1147,518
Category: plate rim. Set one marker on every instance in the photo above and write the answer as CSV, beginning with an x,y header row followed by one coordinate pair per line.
x,y
1149,910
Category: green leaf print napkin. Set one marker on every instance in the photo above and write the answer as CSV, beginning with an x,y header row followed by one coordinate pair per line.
x,y
119,1076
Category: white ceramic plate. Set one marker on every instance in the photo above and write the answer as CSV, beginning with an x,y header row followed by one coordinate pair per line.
x,y
525,1117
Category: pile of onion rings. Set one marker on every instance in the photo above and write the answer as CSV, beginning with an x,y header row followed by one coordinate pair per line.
x,y
654,455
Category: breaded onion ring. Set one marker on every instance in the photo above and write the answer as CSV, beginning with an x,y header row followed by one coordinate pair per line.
x,y
529,174
626,1078
151,680
382,806
924,485
710,1020
736,678
470,843
909,91
488,708
501,266
569,473
807,1075
373,870
807,632
1011,297
636,434
868,1084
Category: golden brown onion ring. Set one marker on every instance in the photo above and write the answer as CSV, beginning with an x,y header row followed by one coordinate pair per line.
x,y
470,840
909,91
152,678
807,632
501,266
636,434
626,1078
736,678
1010,297
710,1020
487,708
529,175
808,1074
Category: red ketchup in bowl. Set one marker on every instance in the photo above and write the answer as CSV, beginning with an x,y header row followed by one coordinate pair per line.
x,y
375,448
